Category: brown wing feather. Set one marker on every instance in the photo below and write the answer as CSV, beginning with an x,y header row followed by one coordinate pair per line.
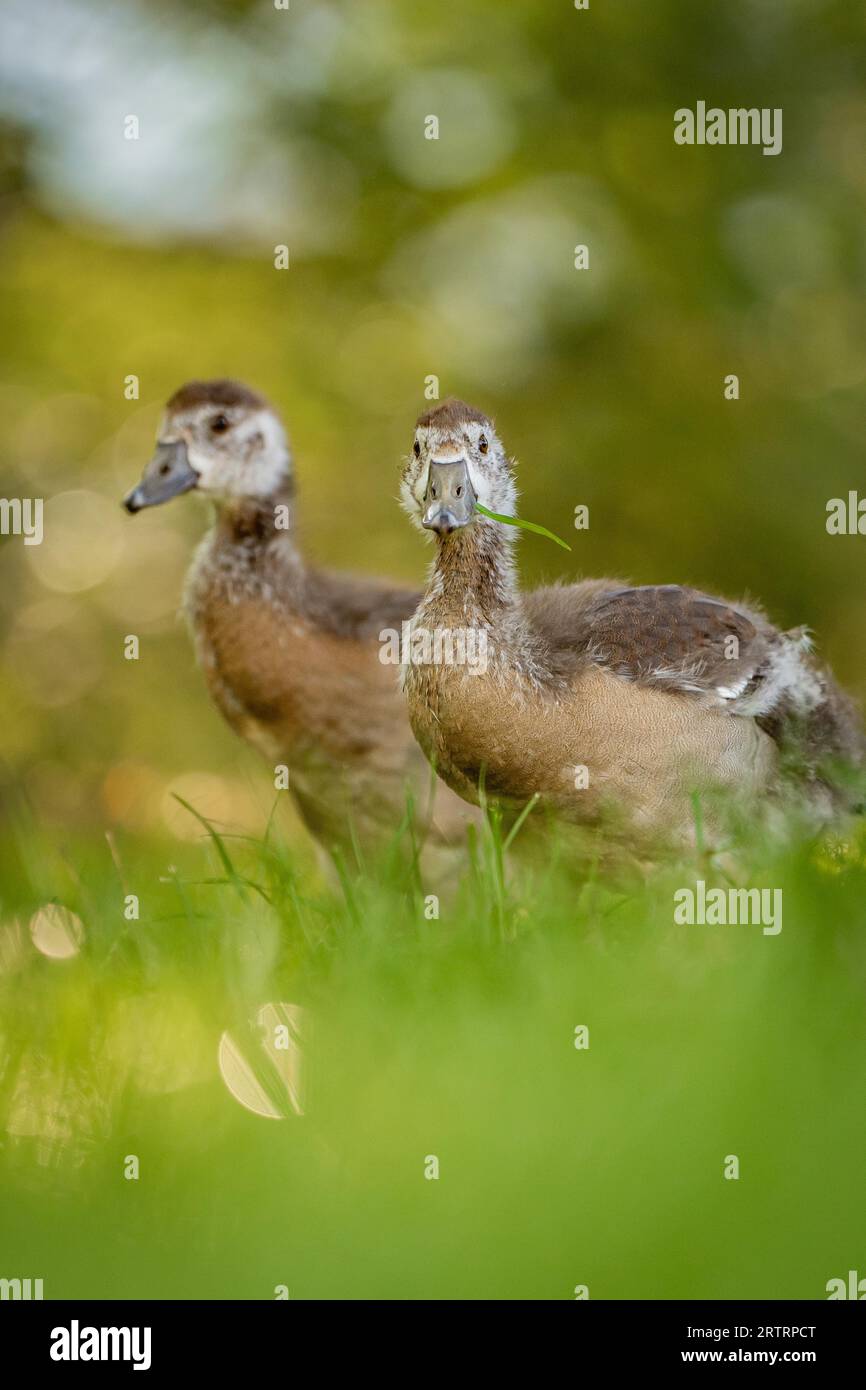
x,y
663,634
680,640
357,606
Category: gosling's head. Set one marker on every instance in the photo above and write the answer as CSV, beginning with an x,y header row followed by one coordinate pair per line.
x,y
220,438
456,461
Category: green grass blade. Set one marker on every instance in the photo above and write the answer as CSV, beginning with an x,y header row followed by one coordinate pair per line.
x,y
216,840
515,829
524,525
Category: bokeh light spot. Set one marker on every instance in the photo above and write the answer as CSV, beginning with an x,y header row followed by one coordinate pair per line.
x,y
56,932
82,542
265,1073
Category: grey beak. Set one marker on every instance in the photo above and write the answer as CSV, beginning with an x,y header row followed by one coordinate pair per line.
x,y
168,474
450,497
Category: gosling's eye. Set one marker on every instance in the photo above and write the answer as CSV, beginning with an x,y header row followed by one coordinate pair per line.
x,y
416,449
219,424
482,444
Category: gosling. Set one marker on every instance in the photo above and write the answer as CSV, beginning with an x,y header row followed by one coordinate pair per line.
x,y
291,653
611,706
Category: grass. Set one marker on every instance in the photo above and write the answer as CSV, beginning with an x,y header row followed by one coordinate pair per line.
x,y
523,525
450,1037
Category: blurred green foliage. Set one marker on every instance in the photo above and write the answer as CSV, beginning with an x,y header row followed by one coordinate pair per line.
x,y
452,1038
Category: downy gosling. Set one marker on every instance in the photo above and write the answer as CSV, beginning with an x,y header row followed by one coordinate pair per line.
x,y
291,653
612,705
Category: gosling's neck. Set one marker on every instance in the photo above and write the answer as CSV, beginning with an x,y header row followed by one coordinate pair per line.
x,y
474,584
256,522
473,580
252,547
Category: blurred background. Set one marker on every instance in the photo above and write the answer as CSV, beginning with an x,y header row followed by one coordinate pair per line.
x,y
410,258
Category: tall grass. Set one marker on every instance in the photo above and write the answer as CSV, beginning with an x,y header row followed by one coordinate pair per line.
x,y
449,1037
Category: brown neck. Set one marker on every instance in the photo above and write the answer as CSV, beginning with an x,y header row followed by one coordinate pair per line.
x,y
473,585
473,575
257,520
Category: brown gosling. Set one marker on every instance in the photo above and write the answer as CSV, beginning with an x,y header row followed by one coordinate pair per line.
x,y
614,706
291,654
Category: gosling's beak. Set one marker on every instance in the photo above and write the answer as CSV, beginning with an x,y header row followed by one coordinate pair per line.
x,y
168,474
450,497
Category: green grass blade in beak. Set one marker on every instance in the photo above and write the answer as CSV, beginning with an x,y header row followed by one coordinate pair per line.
x,y
525,525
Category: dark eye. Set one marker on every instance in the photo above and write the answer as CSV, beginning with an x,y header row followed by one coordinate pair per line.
x,y
219,424
482,444
416,449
